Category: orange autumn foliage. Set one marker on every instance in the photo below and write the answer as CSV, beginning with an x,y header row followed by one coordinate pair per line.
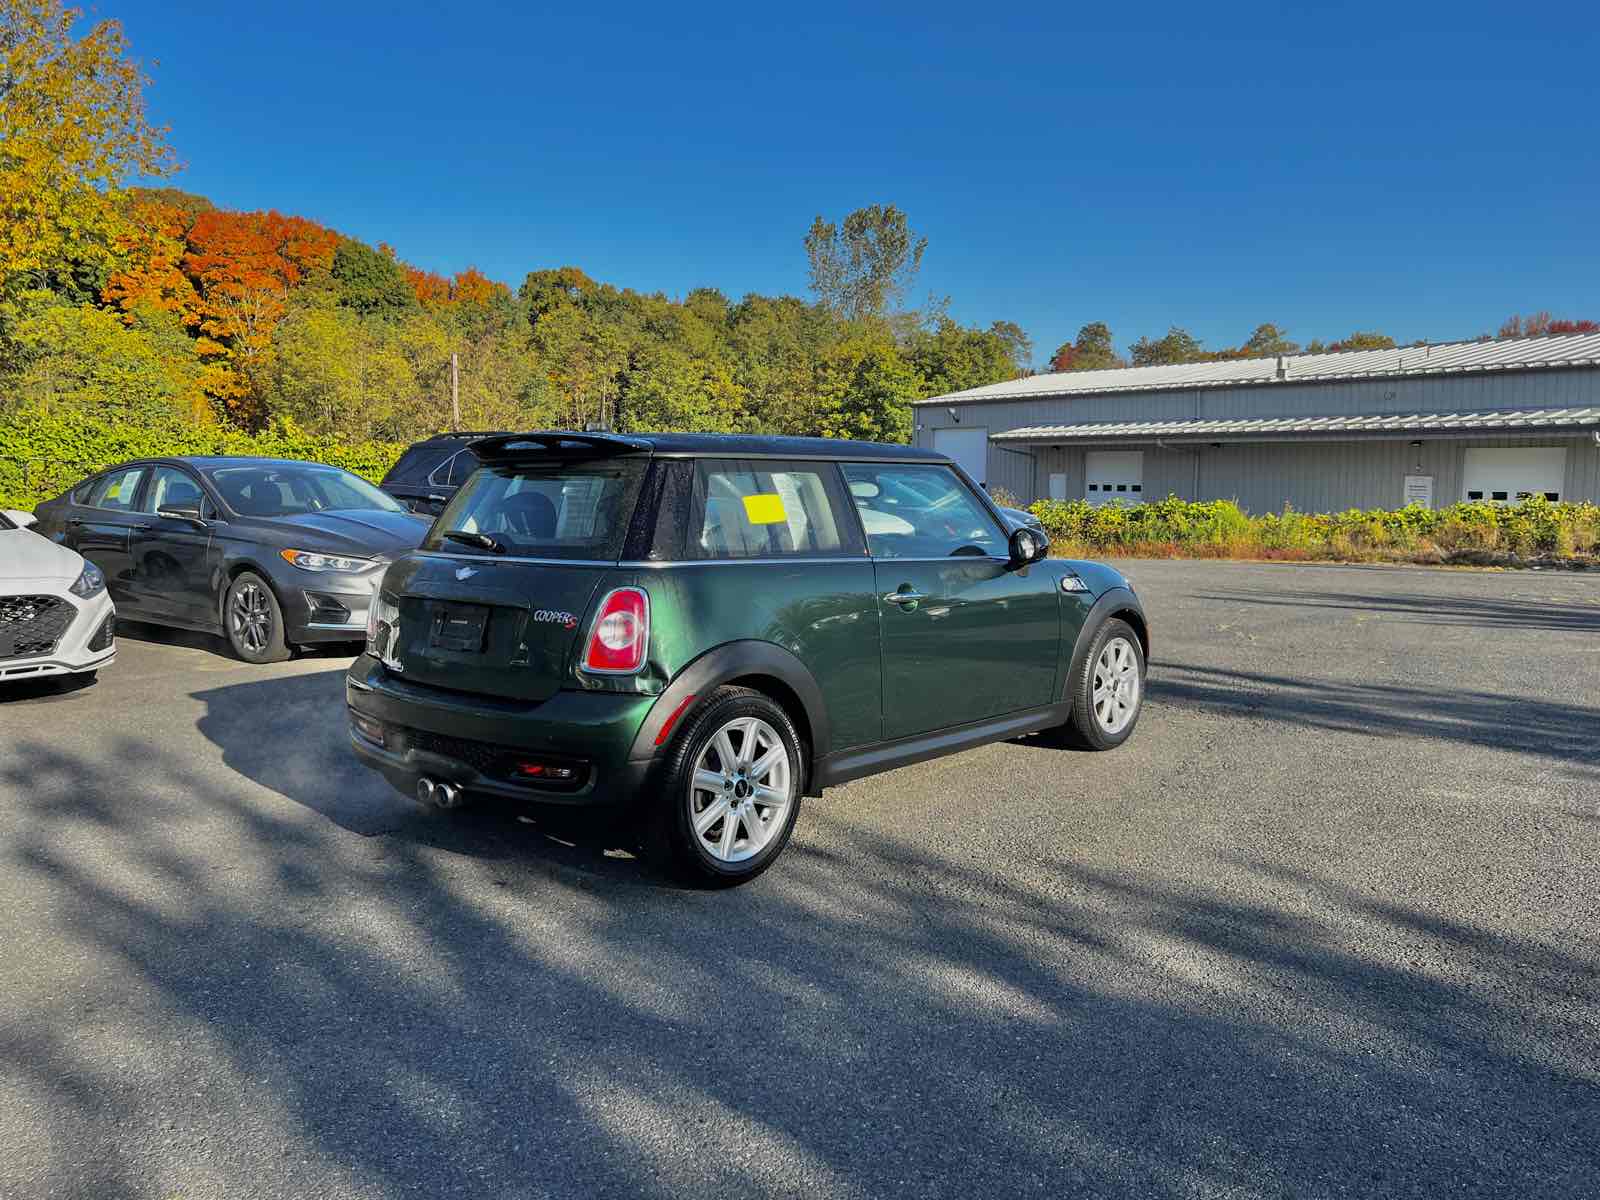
x,y
150,252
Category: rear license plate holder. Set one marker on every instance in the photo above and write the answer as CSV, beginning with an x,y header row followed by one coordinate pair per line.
x,y
458,627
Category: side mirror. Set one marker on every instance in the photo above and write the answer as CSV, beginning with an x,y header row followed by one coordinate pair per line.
x,y
22,520
1028,545
181,512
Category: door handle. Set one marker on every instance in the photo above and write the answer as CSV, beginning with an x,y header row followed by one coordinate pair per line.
x,y
74,520
904,597
141,525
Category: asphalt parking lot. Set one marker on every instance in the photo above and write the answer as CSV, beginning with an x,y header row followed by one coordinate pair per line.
x,y
1329,926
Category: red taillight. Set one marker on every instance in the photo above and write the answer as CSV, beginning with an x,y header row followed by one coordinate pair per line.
x,y
620,634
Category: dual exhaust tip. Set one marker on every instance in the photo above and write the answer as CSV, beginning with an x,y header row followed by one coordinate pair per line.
x,y
438,793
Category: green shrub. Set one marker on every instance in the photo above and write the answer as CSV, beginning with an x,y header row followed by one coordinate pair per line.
x,y
1214,527
42,454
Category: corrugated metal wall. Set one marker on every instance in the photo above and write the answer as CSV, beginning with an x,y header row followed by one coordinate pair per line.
x,y
1313,476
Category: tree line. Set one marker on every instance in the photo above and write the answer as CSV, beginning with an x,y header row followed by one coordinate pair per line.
x,y
153,306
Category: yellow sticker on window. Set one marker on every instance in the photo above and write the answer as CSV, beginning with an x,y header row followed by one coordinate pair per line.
x,y
765,509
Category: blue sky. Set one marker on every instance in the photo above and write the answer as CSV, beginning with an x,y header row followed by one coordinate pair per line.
x,y
1425,170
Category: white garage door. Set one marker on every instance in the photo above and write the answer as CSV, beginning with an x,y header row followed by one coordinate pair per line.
x,y
1512,474
1113,475
969,448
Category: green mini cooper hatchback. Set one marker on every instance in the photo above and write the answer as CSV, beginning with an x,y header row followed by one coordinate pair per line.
x,y
707,628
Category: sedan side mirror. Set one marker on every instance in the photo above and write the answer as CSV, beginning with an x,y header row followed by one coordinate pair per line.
x,y
22,520
1028,545
182,512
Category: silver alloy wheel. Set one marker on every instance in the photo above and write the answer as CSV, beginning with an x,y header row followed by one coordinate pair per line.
x,y
741,790
250,618
1116,685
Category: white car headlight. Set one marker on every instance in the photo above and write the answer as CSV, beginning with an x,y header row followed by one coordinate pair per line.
x,y
311,560
90,583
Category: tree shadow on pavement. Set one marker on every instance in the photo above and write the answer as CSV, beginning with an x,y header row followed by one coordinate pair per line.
x,y
1488,719
231,998
1430,608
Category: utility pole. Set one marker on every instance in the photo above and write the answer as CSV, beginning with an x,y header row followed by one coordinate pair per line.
x,y
455,390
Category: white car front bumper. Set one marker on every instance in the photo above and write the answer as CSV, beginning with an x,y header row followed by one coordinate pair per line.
x,y
33,642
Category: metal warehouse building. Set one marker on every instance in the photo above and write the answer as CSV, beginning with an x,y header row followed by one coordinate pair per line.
x,y
1322,432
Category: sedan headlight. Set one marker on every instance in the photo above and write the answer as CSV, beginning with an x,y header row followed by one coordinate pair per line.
x,y
91,583
310,560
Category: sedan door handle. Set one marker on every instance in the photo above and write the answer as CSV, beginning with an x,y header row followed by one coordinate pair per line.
x,y
141,525
904,597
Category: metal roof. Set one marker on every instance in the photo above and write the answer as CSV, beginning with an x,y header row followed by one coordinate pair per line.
x,y
1272,428
1507,354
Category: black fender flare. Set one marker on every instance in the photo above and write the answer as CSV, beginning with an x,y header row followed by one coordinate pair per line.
x,y
1113,600
737,660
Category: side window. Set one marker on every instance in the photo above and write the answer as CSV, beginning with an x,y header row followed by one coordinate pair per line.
x,y
170,486
762,509
440,476
117,490
461,468
921,510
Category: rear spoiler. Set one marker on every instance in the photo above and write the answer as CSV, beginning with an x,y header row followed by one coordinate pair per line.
x,y
556,443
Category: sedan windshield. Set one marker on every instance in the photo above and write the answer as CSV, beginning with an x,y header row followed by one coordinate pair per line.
x,y
286,491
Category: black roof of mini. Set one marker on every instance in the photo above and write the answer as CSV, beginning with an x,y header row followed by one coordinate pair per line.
x,y
215,461
541,443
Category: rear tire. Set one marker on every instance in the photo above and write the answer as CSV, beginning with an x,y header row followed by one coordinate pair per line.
x,y
253,621
1108,691
730,790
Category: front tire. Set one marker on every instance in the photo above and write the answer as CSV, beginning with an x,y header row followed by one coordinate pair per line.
x,y
1108,692
732,786
253,621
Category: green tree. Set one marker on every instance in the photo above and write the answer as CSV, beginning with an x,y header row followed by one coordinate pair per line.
x,y
1179,346
1091,351
953,358
84,360
72,131
1356,341
865,266
865,391
668,389
1268,341
370,282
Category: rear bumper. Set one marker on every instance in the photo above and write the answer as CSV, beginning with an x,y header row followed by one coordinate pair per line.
x,y
465,739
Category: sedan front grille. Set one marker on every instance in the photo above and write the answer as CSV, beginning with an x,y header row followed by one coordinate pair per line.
x,y
32,625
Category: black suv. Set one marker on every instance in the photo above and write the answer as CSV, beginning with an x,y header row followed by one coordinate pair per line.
x,y
711,627
429,473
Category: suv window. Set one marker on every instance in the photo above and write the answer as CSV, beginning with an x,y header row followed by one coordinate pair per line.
x,y
572,510
758,509
116,490
457,471
414,465
921,510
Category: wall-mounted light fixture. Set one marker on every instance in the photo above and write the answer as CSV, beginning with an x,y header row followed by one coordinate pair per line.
x,y
954,415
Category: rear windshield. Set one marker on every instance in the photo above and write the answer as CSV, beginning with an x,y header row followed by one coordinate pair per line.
x,y
572,510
